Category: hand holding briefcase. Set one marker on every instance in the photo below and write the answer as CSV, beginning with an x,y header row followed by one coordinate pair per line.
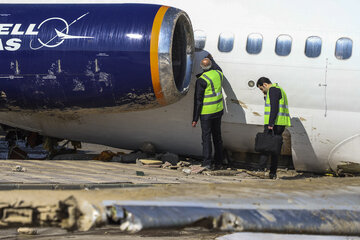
x,y
268,142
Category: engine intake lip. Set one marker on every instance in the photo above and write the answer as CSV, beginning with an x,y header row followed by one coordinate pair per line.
x,y
175,53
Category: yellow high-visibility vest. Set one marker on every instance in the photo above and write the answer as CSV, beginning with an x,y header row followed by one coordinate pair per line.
x,y
213,100
283,117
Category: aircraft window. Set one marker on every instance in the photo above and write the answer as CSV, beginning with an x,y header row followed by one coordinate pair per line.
x,y
343,48
254,43
283,45
226,42
200,39
313,47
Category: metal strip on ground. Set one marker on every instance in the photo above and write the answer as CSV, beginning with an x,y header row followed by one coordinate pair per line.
x,y
324,221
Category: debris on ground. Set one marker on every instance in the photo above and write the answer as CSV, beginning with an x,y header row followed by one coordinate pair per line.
x,y
76,144
348,168
150,163
75,156
170,157
27,231
50,144
129,158
34,139
69,214
140,173
183,164
19,168
16,153
166,165
148,147
197,169
166,160
172,161
106,156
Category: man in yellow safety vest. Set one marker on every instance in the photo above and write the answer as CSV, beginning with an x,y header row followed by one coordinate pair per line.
x,y
208,106
276,116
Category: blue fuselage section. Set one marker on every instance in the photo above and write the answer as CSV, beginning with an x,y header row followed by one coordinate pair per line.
x,y
64,56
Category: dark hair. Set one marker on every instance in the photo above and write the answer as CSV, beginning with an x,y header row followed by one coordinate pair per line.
x,y
262,80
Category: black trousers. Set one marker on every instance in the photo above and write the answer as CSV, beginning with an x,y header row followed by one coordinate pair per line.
x,y
212,127
278,130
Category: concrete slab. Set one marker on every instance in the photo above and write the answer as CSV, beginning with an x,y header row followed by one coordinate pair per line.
x,y
273,236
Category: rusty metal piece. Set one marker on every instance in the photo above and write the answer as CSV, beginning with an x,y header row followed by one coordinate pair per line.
x,y
15,216
69,213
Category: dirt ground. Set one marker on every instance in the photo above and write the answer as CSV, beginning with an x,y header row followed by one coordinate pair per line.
x,y
138,184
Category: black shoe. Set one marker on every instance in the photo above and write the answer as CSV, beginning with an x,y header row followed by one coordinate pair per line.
x,y
272,176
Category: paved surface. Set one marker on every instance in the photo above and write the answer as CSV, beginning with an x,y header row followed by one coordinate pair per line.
x,y
308,193
62,171
244,190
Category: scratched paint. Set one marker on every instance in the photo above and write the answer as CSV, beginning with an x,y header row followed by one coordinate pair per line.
x,y
236,101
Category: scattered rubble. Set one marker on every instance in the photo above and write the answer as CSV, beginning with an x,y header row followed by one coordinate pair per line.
x,y
19,168
173,161
170,157
129,158
27,231
148,148
196,169
140,173
16,153
167,165
150,163
68,214
183,164
105,156
149,158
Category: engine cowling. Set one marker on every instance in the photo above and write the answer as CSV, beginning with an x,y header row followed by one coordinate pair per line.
x,y
82,56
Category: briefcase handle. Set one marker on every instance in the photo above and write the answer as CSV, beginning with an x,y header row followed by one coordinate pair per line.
x,y
271,131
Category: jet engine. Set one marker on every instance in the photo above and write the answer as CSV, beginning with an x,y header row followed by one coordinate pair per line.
x,y
122,57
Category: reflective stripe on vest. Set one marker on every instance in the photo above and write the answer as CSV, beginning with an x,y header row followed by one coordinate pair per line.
x,y
283,117
213,101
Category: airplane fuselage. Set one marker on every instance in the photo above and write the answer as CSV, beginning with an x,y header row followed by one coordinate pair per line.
x,y
320,86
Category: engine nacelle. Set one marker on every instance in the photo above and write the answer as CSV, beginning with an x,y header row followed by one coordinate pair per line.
x,y
82,56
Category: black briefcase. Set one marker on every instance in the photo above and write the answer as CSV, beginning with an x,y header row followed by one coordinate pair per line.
x,y
268,142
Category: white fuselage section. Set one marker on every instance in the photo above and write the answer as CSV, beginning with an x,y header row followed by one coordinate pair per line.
x,y
322,93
